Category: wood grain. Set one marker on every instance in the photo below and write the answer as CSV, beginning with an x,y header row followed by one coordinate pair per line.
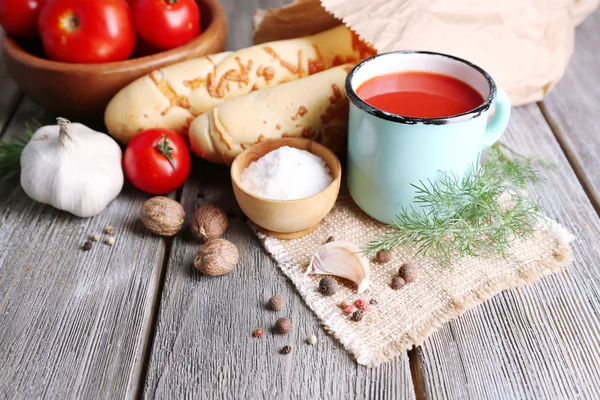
x,y
9,94
73,324
538,341
204,346
573,107
77,324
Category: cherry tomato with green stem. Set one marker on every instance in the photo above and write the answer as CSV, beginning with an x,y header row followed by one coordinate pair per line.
x,y
157,161
166,23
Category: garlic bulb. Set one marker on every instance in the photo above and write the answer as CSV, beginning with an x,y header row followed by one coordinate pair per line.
x,y
341,259
72,168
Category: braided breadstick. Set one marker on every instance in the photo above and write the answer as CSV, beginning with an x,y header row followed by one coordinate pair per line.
x,y
315,107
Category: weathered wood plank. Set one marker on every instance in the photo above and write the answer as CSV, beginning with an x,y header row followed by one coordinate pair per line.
x,y
573,107
73,324
538,341
204,345
9,93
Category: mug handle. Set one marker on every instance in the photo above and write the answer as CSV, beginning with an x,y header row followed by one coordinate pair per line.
x,y
499,121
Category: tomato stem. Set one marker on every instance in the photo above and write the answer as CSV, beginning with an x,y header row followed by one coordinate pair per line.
x,y
69,22
165,149
172,1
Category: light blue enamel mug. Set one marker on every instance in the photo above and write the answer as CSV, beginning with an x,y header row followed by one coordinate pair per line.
x,y
389,152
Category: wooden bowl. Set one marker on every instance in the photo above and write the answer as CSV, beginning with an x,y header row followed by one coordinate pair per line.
x,y
286,219
84,90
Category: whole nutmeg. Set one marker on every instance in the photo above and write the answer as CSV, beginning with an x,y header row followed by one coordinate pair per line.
x,y
276,303
328,286
216,257
408,272
383,256
397,283
283,326
162,216
209,222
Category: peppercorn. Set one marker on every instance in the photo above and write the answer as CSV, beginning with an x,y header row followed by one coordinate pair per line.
x,y
283,326
328,286
95,237
276,303
109,230
258,332
286,350
373,302
349,309
408,272
329,240
397,283
358,315
383,256
87,246
312,339
359,303
345,304
110,240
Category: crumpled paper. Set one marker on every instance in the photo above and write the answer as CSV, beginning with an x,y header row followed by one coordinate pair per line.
x,y
524,44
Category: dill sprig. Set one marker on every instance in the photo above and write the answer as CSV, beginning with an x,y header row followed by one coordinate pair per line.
x,y
10,152
484,211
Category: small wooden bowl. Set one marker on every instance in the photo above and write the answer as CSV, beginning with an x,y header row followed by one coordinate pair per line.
x,y
286,219
84,90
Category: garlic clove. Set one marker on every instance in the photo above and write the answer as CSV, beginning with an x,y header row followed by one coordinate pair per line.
x,y
341,259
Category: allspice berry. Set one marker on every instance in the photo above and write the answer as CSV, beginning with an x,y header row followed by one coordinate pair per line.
x,y
328,286
286,350
162,216
383,256
397,283
358,315
408,272
283,326
209,222
276,303
216,257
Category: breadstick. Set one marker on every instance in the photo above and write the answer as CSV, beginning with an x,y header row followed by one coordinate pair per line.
x,y
315,107
172,96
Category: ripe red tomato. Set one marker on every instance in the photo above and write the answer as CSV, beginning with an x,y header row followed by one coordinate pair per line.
x,y
87,31
19,17
166,23
157,161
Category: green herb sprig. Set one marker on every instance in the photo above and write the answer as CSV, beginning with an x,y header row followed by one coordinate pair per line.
x,y
10,152
484,211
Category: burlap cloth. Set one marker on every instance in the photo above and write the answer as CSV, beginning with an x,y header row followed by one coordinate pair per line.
x,y
408,316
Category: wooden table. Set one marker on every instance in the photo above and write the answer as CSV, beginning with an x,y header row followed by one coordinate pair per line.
x,y
135,319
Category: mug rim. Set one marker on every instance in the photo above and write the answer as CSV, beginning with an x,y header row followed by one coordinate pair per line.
x,y
377,112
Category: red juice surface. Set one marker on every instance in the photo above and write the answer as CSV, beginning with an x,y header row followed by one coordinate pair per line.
x,y
420,94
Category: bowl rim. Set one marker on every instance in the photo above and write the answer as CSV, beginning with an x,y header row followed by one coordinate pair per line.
x,y
334,182
218,17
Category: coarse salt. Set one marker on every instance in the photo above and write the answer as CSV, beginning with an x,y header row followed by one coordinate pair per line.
x,y
286,173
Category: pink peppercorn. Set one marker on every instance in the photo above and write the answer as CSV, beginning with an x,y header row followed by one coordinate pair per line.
x,y
365,307
345,304
360,303
349,309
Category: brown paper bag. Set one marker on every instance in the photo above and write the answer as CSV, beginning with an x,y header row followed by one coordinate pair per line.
x,y
524,44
